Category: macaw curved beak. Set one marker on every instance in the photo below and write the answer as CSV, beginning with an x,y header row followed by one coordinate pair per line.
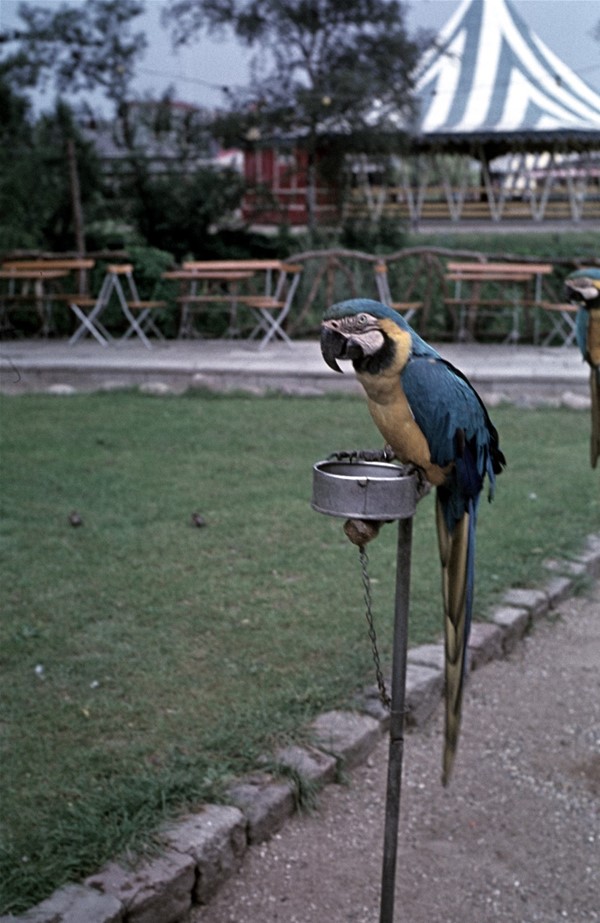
x,y
333,346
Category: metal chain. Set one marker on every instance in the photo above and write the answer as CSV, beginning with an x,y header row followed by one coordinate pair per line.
x,y
364,565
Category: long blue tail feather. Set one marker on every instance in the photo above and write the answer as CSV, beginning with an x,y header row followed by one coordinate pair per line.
x,y
457,554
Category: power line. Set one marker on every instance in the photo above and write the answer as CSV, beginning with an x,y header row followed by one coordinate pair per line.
x,y
198,80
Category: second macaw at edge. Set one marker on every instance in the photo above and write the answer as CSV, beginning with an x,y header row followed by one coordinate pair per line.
x,y
583,289
433,419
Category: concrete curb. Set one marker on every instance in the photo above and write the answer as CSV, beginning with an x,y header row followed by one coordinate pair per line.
x,y
525,375
204,849
516,390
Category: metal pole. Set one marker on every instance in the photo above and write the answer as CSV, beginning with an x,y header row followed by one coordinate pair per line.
x,y
396,747
373,493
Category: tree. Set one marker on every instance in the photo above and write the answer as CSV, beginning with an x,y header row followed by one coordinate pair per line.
x,y
326,68
177,212
36,202
79,48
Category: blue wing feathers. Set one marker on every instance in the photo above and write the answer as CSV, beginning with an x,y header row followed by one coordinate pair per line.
x,y
457,429
582,322
469,470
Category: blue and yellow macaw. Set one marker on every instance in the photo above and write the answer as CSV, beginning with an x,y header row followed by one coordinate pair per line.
x,y
583,289
432,418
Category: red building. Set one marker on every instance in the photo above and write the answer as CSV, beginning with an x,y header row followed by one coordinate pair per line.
x,y
276,188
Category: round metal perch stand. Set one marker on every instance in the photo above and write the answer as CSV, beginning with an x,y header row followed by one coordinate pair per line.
x,y
373,492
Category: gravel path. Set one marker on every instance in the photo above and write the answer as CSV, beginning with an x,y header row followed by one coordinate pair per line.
x,y
515,838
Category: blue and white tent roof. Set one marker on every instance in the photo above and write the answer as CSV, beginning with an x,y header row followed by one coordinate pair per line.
x,y
490,75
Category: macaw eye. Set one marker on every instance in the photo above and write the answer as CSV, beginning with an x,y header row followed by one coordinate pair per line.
x,y
362,320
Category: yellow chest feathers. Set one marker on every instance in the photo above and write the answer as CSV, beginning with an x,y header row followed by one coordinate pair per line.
x,y
393,416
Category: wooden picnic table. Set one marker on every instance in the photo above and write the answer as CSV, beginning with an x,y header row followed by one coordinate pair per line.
x,y
68,264
216,284
522,283
30,275
187,275
197,290
39,271
27,289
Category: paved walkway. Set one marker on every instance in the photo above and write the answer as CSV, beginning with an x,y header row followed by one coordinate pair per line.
x,y
34,365
514,839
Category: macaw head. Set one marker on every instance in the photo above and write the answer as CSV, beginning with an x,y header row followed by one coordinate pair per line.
x,y
583,287
363,331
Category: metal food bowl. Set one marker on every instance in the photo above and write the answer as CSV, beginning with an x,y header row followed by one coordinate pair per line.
x,y
363,490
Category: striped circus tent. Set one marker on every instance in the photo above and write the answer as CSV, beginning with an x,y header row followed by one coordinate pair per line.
x,y
504,129
489,77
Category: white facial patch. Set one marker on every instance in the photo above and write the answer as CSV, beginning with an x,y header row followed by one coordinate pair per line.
x,y
370,341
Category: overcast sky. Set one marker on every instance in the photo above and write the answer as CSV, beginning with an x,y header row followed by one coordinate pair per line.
x,y
199,71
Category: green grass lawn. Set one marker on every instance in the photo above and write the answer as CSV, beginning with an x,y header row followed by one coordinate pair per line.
x,y
145,661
